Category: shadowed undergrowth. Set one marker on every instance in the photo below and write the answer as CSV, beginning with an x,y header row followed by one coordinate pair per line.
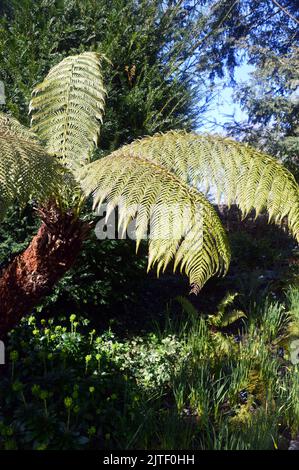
x,y
222,381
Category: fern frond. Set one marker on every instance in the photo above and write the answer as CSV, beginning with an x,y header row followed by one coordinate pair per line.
x,y
10,125
226,302
235,173
67,108
225,317
231,317
184,227
26,170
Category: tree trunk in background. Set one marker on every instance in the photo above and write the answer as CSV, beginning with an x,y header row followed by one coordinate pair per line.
x,y
33,273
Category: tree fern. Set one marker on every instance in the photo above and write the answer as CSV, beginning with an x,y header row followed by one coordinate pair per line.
x,y
67,108
236,173
164,180
25,168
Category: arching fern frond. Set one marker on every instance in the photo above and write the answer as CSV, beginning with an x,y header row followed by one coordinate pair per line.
x,y
184,227
234,172
67,108
26,170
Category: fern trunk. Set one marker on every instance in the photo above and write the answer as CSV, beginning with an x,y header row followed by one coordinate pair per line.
x,y
33,273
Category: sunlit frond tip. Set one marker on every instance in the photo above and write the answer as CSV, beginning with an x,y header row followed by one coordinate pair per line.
x,y
182,227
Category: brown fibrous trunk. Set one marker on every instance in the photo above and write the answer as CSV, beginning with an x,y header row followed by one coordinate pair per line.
x,y
33,273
